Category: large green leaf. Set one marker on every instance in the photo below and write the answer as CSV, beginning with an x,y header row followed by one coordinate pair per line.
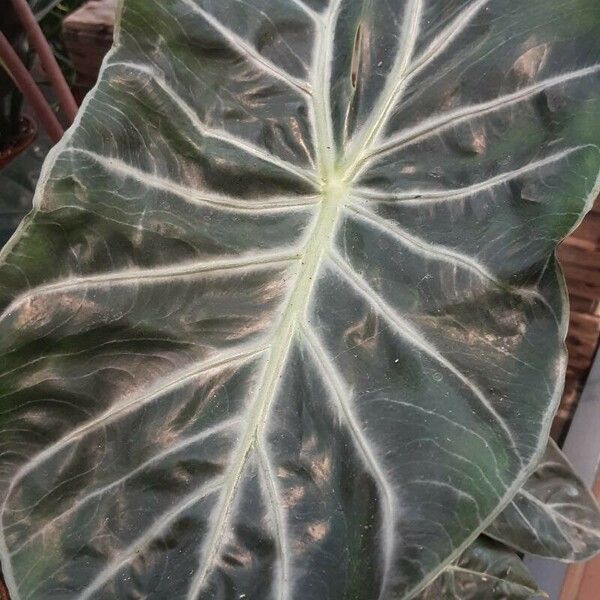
x,y
553,514
286,321
486,570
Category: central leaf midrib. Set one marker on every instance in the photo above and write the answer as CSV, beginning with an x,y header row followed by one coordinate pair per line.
x,y
295,308
333,192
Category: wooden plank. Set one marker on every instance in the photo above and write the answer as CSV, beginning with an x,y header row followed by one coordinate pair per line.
x,y
579,256
87,35
582,581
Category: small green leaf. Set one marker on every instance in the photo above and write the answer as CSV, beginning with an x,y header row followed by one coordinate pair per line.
x,y
553,514
486,570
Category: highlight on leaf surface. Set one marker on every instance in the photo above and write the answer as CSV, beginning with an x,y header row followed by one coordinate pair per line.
x,y
286,320
553,514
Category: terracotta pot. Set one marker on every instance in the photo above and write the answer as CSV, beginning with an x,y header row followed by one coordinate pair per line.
x,y
25,139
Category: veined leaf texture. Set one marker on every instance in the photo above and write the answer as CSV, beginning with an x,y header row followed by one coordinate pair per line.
x,y
286,321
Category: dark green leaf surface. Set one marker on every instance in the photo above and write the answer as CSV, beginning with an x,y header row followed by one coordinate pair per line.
x,y
485,571
553,514
17,185
286,321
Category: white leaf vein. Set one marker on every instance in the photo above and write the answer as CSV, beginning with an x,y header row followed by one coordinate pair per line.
x,y
194,195
101,491
417,198
220,135
334,381
139,276
416,339
279,518
249,52
160,389
160,526
439,124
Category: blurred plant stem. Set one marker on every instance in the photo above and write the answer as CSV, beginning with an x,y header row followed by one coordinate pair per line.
x,y
25,83
40,43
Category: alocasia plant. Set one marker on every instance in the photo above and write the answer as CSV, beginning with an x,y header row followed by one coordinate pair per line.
x,y
286,320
